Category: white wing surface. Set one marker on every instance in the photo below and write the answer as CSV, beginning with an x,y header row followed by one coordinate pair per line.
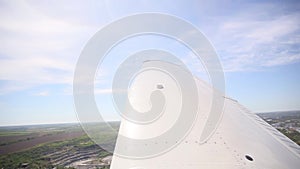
x,y
242,140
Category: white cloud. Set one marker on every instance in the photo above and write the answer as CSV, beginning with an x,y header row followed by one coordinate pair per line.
x,y
254,38
39,47
42,93
257,37
265,31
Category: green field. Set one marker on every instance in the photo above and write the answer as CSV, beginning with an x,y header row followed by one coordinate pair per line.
x,y
50,146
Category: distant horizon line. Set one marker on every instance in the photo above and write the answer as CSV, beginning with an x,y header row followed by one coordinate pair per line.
x,y
277,111
77,122
37,124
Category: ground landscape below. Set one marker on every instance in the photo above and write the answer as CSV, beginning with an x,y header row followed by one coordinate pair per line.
x,y
52,146
67,145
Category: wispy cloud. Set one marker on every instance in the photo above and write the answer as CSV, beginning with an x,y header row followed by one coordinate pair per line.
x,y
40,47
250,42
41,41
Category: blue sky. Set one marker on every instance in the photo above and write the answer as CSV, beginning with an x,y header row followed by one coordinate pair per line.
x,y
258,43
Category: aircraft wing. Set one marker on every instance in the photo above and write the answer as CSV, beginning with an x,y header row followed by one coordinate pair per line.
x,y
242,140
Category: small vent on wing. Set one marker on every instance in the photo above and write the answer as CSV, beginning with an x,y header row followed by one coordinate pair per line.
x,y
248,157
159,86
